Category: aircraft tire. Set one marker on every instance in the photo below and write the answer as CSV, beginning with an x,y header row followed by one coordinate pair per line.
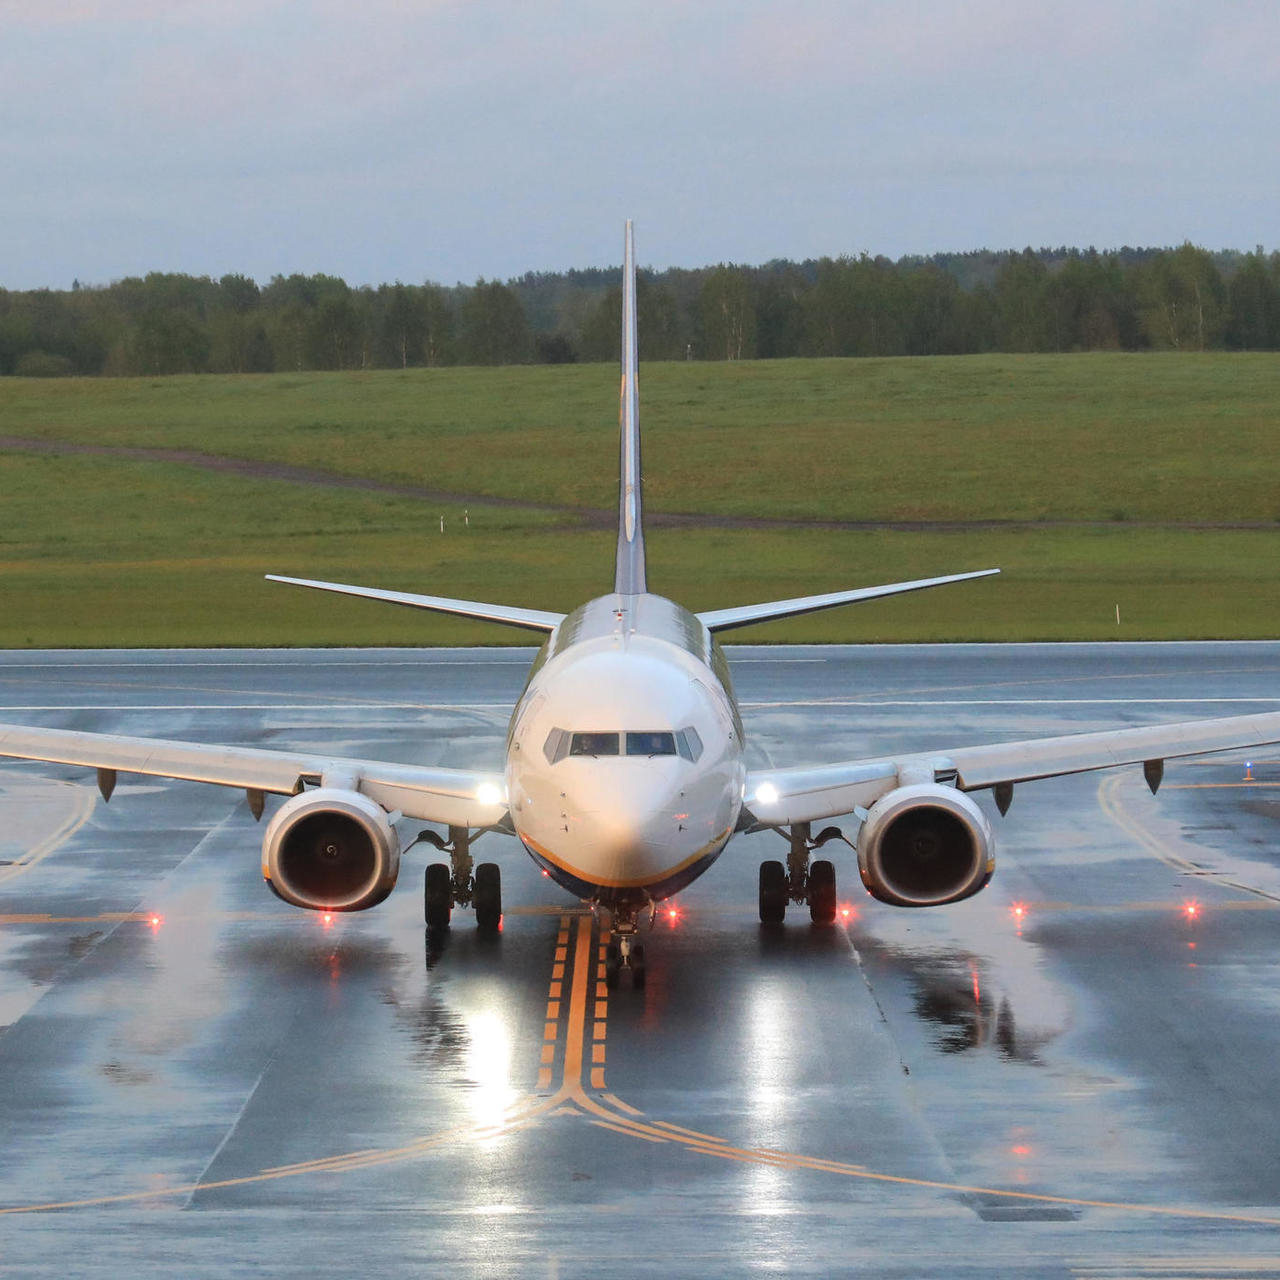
x,y
612,963
637,966
773,893
437,896
488,896
822,892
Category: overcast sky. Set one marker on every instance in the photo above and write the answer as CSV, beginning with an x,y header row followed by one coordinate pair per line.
x,y
450,139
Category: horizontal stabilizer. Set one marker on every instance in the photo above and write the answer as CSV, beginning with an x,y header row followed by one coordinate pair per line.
x,y
529,619
745,615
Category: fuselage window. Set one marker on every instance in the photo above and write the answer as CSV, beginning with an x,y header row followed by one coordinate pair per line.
x,y
688,743
594,744
657,743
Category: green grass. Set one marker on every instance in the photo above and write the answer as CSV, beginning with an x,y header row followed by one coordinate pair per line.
x,y
1090,437
105,551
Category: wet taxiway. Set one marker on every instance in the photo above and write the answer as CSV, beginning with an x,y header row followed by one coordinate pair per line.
x,y
1075,1073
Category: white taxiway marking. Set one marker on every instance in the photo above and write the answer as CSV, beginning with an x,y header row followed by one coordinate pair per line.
x,y
163,664
1005,702
263,706
746,706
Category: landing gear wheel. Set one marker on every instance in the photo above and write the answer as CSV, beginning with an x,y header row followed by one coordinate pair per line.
x,y
488,896
612,963
822,892
773,893
637,966
437,896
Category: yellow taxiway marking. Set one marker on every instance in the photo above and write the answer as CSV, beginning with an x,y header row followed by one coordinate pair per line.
x,y
1112,804
81,811
572,1100
1214,786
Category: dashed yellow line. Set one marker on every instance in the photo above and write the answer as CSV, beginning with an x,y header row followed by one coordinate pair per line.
x,y
555,989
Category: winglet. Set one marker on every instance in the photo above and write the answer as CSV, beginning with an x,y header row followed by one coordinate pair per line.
x,y
629,576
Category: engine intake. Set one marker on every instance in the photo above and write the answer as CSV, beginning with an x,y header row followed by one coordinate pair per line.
x,y
331,850
925,845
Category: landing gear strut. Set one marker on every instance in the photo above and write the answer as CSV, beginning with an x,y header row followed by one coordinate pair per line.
x,y
800,881
461,883
624,951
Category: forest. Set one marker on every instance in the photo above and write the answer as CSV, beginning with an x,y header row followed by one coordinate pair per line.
x,y
1046,300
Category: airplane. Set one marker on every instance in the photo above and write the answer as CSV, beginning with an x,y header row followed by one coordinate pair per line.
x,y
624,774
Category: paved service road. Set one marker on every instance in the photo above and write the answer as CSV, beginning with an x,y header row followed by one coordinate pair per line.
x,y
1075,1073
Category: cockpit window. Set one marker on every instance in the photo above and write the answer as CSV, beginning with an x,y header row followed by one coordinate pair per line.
x,y
655,743
650,742
689,744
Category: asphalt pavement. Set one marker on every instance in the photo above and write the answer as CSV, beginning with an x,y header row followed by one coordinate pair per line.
x,y
1077,1072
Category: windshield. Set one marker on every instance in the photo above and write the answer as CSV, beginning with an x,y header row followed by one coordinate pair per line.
x,y
634,742
655,743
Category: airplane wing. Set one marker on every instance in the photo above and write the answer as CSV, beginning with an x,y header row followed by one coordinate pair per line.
x,y
747,614
778,797
455,797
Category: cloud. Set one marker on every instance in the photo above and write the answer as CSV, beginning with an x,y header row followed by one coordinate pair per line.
x,y
479,136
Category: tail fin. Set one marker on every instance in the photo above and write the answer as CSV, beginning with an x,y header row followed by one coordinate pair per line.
x,y
629,576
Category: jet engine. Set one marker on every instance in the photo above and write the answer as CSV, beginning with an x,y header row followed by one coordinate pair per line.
x,y
925,845
331,850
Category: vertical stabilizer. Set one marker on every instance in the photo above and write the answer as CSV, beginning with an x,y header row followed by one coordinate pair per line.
x,y
629,578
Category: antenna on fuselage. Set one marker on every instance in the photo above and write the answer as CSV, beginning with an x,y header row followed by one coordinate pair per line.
x,y
629,575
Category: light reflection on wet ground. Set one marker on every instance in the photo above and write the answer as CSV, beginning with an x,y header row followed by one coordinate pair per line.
x,y
272,1093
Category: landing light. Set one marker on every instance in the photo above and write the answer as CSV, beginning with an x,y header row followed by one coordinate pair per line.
x,y
155,921
767,793
327,919
489,793
1191,909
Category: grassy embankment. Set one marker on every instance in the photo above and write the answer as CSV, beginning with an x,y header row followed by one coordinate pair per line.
x,y
1102,477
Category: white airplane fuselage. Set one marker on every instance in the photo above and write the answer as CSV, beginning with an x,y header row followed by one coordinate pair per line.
x,y
624,769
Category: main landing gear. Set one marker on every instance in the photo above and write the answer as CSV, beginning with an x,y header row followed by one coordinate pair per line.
x,y
800,880
461,883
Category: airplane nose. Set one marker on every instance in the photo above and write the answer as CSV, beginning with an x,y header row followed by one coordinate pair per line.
x,y
636,829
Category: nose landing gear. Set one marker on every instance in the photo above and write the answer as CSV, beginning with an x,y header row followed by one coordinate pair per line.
x,y
624,952
800,880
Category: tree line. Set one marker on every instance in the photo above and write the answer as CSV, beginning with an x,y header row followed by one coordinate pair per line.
x,y
1044,300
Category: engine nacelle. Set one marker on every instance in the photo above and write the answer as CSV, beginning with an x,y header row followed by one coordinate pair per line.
x,y
925,845
331,850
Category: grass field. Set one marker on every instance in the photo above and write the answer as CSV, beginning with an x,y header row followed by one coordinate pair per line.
x,y
1093,481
